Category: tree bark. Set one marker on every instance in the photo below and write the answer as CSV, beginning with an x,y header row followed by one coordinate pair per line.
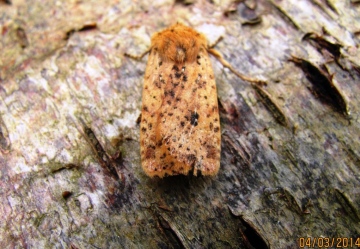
x,y
70,165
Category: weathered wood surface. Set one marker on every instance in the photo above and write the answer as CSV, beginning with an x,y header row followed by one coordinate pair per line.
x,y
70,166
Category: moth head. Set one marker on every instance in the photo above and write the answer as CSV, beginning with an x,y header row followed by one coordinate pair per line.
x,y
178,43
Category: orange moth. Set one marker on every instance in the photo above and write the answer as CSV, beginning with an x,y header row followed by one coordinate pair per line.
x,y
180,124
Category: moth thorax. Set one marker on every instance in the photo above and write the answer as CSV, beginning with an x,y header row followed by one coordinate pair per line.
x,y
180,54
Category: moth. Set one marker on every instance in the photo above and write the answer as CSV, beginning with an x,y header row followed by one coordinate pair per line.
x,y
180,124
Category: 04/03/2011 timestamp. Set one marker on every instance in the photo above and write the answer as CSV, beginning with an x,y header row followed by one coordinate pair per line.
x,y
329,242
